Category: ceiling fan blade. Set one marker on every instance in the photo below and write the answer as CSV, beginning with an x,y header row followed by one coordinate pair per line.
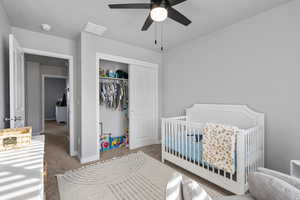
x,y
175,2
178,17
130,6
147,24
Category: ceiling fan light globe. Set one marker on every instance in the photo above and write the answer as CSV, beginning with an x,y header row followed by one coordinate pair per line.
x,y
159,14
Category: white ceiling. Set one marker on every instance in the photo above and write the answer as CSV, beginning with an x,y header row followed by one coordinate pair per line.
x,y
68,18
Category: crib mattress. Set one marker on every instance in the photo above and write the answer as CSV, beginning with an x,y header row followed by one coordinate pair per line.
x,y
190,147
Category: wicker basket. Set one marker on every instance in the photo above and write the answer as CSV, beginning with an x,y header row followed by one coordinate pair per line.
x,y
15,138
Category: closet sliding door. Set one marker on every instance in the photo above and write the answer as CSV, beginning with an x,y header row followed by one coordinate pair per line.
x,y
143,93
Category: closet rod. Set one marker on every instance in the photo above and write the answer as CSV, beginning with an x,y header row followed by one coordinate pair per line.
x,y
109,78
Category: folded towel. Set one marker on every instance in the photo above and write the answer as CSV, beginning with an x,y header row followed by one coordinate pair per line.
x,y
219,146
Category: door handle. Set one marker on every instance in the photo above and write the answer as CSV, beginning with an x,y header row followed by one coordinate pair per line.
x,y
8,119
16,118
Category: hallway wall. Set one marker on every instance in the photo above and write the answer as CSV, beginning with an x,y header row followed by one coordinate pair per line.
x,y
54,89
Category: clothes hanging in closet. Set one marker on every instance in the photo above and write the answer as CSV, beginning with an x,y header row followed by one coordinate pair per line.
x,y
114,94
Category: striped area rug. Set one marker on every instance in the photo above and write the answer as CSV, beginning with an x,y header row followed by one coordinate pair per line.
x,y
136,176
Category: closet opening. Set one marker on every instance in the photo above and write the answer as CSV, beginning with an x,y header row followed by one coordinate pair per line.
x,y
113,107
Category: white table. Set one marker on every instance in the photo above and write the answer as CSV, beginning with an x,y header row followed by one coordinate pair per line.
x,y
21,172
61,113
295,168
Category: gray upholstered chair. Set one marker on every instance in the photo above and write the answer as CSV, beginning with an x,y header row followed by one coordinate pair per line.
x,y
267,184
264,184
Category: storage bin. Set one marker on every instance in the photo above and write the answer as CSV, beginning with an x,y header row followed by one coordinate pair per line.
x,y
15,138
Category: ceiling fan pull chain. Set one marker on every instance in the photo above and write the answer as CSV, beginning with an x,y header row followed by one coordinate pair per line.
x,y
155,34
162,37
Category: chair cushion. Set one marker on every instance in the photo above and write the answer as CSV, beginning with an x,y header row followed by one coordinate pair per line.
x,y
193,191
236,197
266,187
289,179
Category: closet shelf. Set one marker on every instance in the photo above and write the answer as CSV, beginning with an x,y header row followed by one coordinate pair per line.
x,y
109,78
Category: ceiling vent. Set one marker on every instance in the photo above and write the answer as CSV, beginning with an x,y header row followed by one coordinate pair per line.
x,y
95,29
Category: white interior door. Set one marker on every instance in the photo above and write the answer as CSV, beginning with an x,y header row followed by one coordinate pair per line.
x,y
16,83
143,93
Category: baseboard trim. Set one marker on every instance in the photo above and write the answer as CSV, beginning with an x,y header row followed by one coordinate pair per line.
x,y
89,159
37,133
50,119
74,153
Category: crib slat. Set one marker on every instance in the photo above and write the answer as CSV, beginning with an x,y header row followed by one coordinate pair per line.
x,y
163,132
190,145
170,138
167,136
173,139
256,150
164,135
194,143
199,153
178,142
186,149
250,152
181,140
248,155
178,137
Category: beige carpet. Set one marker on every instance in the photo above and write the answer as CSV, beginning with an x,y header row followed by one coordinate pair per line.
x,y
53,128
59,161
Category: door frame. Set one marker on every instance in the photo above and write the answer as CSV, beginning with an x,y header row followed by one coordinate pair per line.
x,y
129,61
70,58
44,76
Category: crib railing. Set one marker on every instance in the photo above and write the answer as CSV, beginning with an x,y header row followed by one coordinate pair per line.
x,y
181,141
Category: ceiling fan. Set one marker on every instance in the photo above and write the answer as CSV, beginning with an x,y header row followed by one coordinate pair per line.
x,y
159,11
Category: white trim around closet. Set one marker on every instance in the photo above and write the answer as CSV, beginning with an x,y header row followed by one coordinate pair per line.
x,y
129,61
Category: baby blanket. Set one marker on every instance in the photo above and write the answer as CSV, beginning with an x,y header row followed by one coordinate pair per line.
x,y
219,146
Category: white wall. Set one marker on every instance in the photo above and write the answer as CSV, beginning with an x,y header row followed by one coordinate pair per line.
x,y
90,45
44,42
5,30
255,62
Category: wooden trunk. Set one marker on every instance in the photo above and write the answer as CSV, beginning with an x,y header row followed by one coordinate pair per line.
x,y
15,138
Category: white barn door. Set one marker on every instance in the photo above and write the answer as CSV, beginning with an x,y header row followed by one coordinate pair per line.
x,y
16,84
143,93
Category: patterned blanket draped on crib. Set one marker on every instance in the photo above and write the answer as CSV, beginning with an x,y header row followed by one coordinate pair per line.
x,y
219,146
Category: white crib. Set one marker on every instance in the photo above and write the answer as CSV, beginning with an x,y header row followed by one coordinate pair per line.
x,y
249,149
